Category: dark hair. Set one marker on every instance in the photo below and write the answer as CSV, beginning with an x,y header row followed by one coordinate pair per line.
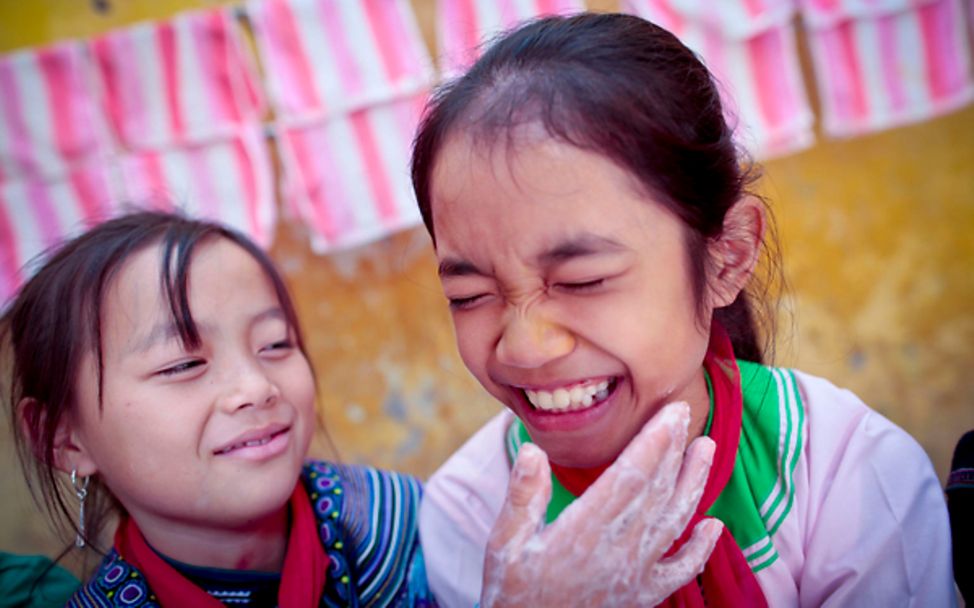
x,y
56,318
620,86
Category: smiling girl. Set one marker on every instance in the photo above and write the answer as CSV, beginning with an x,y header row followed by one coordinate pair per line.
x,y
594,234
158,360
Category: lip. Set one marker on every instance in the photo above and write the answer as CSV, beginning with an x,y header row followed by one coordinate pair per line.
x,y
274,438
551,386
571,421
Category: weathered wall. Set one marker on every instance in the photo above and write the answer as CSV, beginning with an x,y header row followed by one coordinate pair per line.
x,y
875,232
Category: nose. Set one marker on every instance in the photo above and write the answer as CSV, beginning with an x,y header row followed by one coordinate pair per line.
x,y
248,385
530,341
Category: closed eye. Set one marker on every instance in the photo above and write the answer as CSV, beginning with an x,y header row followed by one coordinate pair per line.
x,y
465,302
181,367
279,345
277,350
580,286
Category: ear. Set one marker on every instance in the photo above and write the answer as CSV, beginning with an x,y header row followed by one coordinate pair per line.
x,y
734,254
67,450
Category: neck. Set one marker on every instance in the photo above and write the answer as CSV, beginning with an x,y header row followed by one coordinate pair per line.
x,y
698,398
260,545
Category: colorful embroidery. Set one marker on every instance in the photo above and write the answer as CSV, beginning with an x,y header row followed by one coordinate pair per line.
x,y
367,524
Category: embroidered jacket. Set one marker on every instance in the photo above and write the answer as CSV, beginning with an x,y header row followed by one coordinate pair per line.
x,y
367,525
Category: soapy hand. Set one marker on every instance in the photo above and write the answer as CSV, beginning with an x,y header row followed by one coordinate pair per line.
x,y
606,548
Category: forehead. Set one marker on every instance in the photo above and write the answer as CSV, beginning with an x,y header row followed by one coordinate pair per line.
x,y
218,270
531,191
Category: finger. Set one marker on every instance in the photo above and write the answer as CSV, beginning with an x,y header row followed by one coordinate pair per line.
x,y
690,483
668,427
689,561
528,494
649,464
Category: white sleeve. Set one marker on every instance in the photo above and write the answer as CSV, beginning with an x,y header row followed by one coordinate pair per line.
x,y
877,531
460,504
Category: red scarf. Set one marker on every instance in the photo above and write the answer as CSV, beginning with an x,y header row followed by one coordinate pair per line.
x,y
727,580
302,577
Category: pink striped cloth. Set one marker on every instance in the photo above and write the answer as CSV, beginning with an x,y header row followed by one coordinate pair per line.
x,y
750,47
36,213
184,80
49,119
463,26
347,177
347,80
884,63
229,180
323,58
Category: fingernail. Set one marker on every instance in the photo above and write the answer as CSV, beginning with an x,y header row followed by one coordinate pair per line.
x,y
707,447
528,460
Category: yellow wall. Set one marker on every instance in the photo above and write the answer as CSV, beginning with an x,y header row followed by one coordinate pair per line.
x,y
877,240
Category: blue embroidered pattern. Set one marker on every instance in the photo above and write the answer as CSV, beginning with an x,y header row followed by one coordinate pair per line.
x,y
367,522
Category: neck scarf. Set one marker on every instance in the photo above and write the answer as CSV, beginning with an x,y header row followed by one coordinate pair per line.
x,y
302,576
727,580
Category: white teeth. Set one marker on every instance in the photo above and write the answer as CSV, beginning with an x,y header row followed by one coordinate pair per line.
x,y
563,399
245,444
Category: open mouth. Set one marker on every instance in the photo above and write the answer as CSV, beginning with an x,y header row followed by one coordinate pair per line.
x,y
252,443
571,398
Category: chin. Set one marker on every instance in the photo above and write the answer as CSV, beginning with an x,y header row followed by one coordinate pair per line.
x,y
571,456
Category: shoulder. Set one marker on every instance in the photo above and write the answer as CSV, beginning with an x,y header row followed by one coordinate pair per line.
x,y
463,499
874,503
471,485
827,425
843,432
363,500
115,583
368,527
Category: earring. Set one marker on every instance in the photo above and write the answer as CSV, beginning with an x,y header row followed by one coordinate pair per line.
x,y
81,491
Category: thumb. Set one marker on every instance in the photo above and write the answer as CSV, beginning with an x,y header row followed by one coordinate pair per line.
x,y
527,499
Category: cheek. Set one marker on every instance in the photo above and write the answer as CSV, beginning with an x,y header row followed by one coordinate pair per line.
x,y
301,386
473,342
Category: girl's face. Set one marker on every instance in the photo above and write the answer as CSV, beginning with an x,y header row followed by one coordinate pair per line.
x,y
570,292
212,437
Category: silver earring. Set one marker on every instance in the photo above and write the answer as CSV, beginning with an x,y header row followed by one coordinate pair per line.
x,y
81,491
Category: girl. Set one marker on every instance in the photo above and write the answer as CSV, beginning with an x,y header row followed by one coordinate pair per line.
x,y
159,362
594,235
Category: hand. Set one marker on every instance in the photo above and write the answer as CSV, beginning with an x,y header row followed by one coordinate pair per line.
x,y
606,548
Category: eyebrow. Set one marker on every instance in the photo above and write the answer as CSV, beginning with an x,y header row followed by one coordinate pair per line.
x,y
160,333
563,251
166,331
457,267
576,247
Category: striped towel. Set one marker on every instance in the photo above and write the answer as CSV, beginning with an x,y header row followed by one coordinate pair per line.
x,y
183,80
881,64
463,26
323,58
347,178
347,80
229,180
38,213
750,47
49,119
